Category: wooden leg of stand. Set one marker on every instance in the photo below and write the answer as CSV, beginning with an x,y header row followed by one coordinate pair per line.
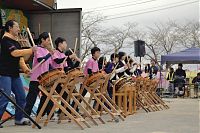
x,y
50,115
119,101
84,110
72,111
60,107
92,110
39,116
134,101
110,105
130,97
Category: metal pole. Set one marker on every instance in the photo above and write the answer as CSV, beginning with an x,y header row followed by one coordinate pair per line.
x,y
17,106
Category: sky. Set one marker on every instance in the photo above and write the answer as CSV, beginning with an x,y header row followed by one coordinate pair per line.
x,y
144,12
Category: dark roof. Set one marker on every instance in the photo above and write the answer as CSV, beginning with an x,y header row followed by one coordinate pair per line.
x,y
26,5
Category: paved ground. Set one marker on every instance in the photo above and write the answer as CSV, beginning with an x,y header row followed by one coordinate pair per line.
x,y
182,117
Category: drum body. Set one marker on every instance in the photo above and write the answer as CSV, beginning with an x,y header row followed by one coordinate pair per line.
x,y
75,76
123,83
95,77
47,79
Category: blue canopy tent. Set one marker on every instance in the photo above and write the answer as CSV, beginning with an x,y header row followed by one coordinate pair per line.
x,y
188,56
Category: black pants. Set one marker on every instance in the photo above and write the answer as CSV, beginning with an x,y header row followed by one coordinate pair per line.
x,y
64,96
83,94
48,107
110,89
31,99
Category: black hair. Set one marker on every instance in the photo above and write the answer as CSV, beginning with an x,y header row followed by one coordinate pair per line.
x,y
95,49
121,54
101,59
59,40
131,60
44,36
126,60
114,55
69,52
198,74
147,68
180,64
9,24
32,32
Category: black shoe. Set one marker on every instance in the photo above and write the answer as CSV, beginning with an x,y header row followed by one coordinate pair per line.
x,y
52,117
1,126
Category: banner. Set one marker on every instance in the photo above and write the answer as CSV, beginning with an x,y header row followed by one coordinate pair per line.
x,y
12,14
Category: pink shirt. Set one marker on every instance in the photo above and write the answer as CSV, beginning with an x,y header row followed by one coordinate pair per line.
x,y
58,55
44,67
91,64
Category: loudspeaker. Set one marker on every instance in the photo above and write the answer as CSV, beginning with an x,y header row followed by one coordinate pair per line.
x,y
139,47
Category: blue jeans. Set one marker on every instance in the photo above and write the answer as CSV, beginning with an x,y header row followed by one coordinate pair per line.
x,y
15,85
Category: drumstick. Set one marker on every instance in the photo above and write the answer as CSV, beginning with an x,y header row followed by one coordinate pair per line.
x,y
75,45
103,63
66,57
117,65
21,40
29,33
114,55
37,65
24,41
39,28
82,63
74,53
71,50
115,68
51,41
62,64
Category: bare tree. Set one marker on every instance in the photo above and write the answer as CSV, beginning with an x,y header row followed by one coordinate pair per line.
x,y
91,31
188,34
165,38
108,40
117,38
162,39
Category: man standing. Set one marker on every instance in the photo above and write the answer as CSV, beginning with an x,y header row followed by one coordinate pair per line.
x,y
170,78
180,72
11,58
153,70
179,81
196,81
